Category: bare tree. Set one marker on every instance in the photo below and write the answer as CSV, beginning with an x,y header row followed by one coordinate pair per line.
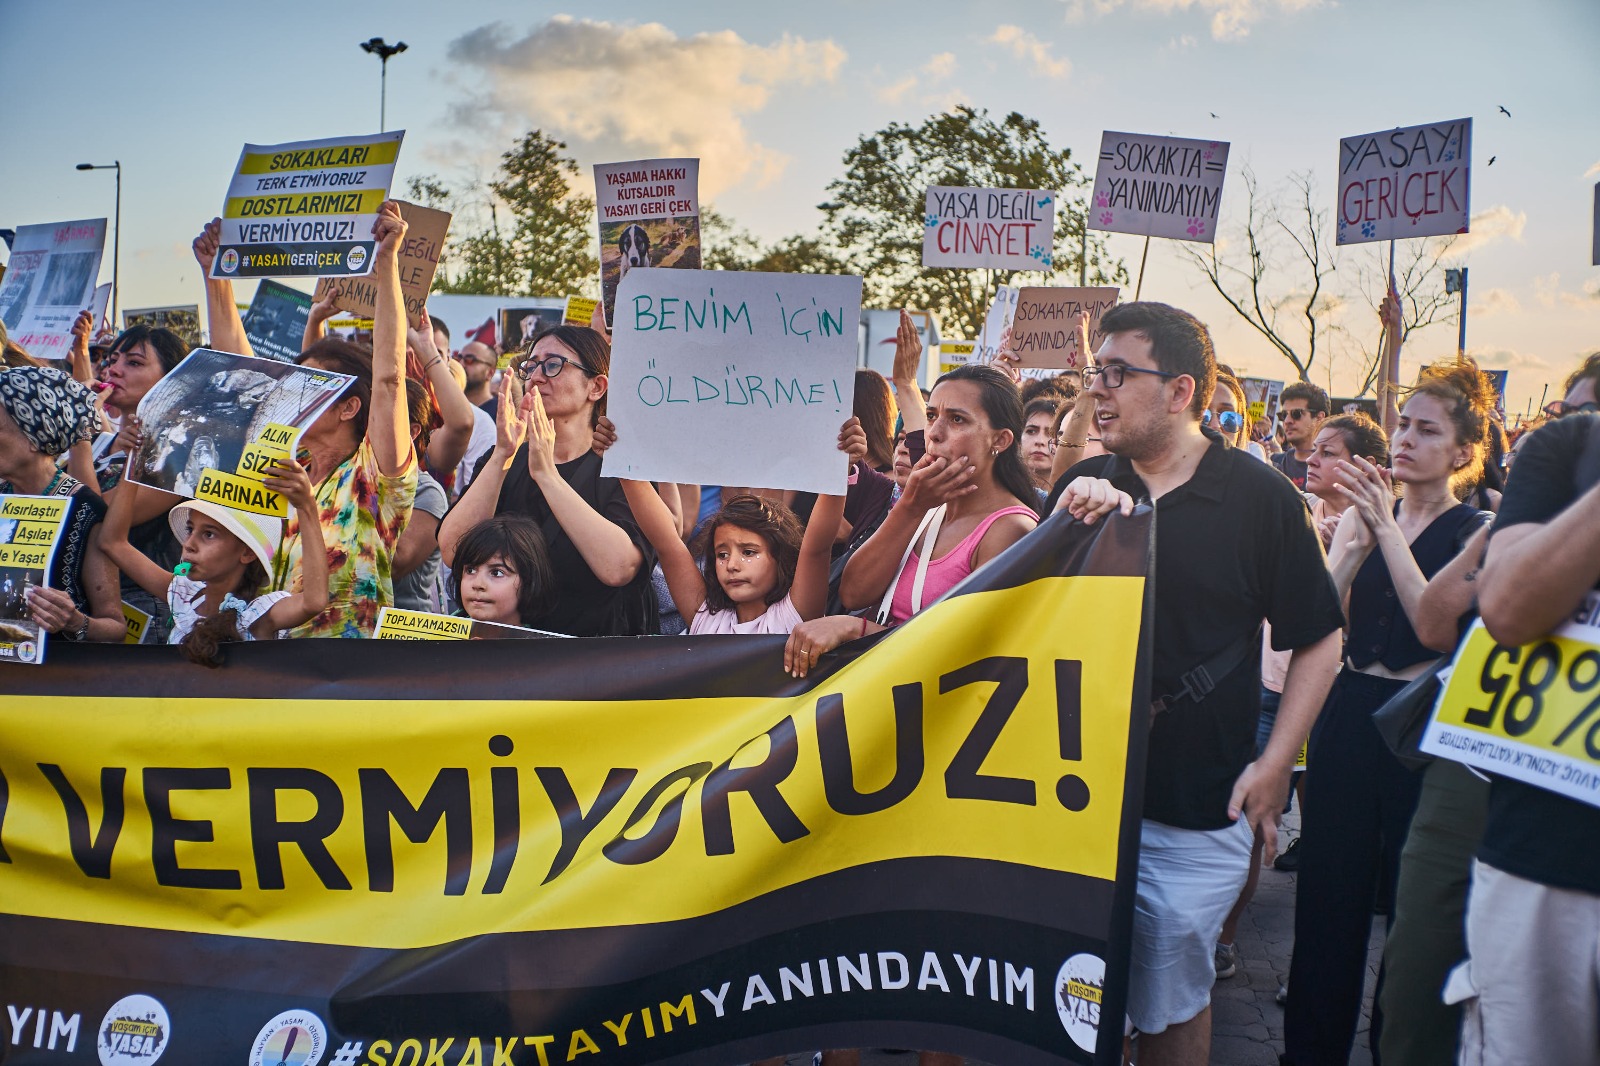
x,y
1419,283
1278,284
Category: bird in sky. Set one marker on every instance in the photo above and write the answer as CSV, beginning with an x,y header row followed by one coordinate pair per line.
x,y
1504,112
1492,159
1213,114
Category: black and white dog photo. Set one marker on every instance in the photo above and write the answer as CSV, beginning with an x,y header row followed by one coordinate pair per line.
x,y
634,243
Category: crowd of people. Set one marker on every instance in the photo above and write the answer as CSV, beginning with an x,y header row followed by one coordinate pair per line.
x,y
1307,571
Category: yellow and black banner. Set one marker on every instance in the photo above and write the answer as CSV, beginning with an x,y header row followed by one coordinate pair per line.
x,y
623,850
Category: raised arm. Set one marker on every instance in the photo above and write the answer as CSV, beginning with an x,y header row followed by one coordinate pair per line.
x,y
222,313
449,444
809,593
316,320
114,541
907,361
290,478
684,579
388,426
483,495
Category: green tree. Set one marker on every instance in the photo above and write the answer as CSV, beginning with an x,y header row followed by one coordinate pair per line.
x,y
527,232
727,247
874,212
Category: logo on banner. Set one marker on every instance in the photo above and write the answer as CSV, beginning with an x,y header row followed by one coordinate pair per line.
x,y
1078,989
293,1038
230,261
357,258
134,1032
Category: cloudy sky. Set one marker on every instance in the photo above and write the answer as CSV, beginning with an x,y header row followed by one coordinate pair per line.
x,y
770,96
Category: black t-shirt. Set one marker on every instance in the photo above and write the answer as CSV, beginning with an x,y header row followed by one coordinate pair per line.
x,y
1532,833
1292,468
1234,545
585,606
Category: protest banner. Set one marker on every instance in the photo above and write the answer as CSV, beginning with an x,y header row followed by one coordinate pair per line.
x,y
882,327
722,377
215,423
306,208
138,623
182,319
644,852
996,322
30,533
649,216
394,623
52,276
1000,229
1047,326
579,310
1410,182
418,261
1262,396
276,321
519,325
955,353
1528,711
1497,381
1159,186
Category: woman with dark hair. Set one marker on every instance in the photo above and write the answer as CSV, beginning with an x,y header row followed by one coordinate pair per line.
x,y
43,413
1359,799
874,405
965,502
543,465
361,459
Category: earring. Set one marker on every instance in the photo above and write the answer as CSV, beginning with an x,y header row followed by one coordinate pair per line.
x,y
994,453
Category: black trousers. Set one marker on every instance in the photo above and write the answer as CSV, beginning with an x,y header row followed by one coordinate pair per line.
x,y
1358,806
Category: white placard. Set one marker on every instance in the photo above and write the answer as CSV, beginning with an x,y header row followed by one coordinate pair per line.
x,y
729,378
1158,186
998,229
50,278
306,208
995,323
1410,182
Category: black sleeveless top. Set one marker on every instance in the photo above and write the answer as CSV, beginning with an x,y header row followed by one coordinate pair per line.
x,y
1380,632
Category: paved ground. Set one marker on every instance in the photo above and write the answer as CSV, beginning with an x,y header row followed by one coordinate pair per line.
x,y
1247,1023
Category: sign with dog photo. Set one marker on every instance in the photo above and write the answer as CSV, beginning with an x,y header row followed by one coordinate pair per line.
x,y
30,530
649,215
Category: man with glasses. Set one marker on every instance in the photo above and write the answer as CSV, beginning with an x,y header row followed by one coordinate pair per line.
x,y
479,361
1234,545
1303,408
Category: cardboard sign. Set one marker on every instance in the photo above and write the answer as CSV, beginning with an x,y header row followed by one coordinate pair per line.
x,y
649,215
1047,326
306,208
213,425
276,321
395,623
580,310
50,278
30,533
730,378
418,262
1158,186
98,306
182,319
1262,396
878,345
1001,229
1410,182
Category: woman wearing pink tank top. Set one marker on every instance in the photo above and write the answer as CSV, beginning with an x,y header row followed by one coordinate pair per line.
x,y
969,496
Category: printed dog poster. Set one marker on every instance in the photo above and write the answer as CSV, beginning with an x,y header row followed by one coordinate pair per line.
x,y
649,215
51,277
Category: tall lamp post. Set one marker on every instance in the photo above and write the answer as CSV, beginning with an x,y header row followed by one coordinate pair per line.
x,y
1456,281
116,238
383,52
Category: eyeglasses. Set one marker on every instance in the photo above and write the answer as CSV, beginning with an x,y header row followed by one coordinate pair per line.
x,y
463,357
1229,422
1113,374
1295,414
550,366
1561,409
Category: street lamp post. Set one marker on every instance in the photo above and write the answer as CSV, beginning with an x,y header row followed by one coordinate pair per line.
x,y
1456,281
383,51
116,236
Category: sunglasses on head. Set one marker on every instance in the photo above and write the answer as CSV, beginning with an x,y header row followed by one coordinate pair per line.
x,y
1228,421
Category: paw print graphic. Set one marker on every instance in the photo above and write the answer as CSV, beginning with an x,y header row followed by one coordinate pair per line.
x,y
1100,200
1448,156
1197,226
1049,260
1368,230
1044,201
1106,218
930,221
1210,152
1037,251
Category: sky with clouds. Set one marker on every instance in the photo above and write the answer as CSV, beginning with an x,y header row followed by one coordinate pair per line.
x,y
770,96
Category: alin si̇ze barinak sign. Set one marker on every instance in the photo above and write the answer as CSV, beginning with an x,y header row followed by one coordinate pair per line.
x,y
650,850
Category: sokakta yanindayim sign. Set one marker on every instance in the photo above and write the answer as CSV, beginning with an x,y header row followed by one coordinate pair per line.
x,y
1159,186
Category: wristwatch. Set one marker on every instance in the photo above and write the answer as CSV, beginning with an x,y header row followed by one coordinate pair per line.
x,y
79,634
